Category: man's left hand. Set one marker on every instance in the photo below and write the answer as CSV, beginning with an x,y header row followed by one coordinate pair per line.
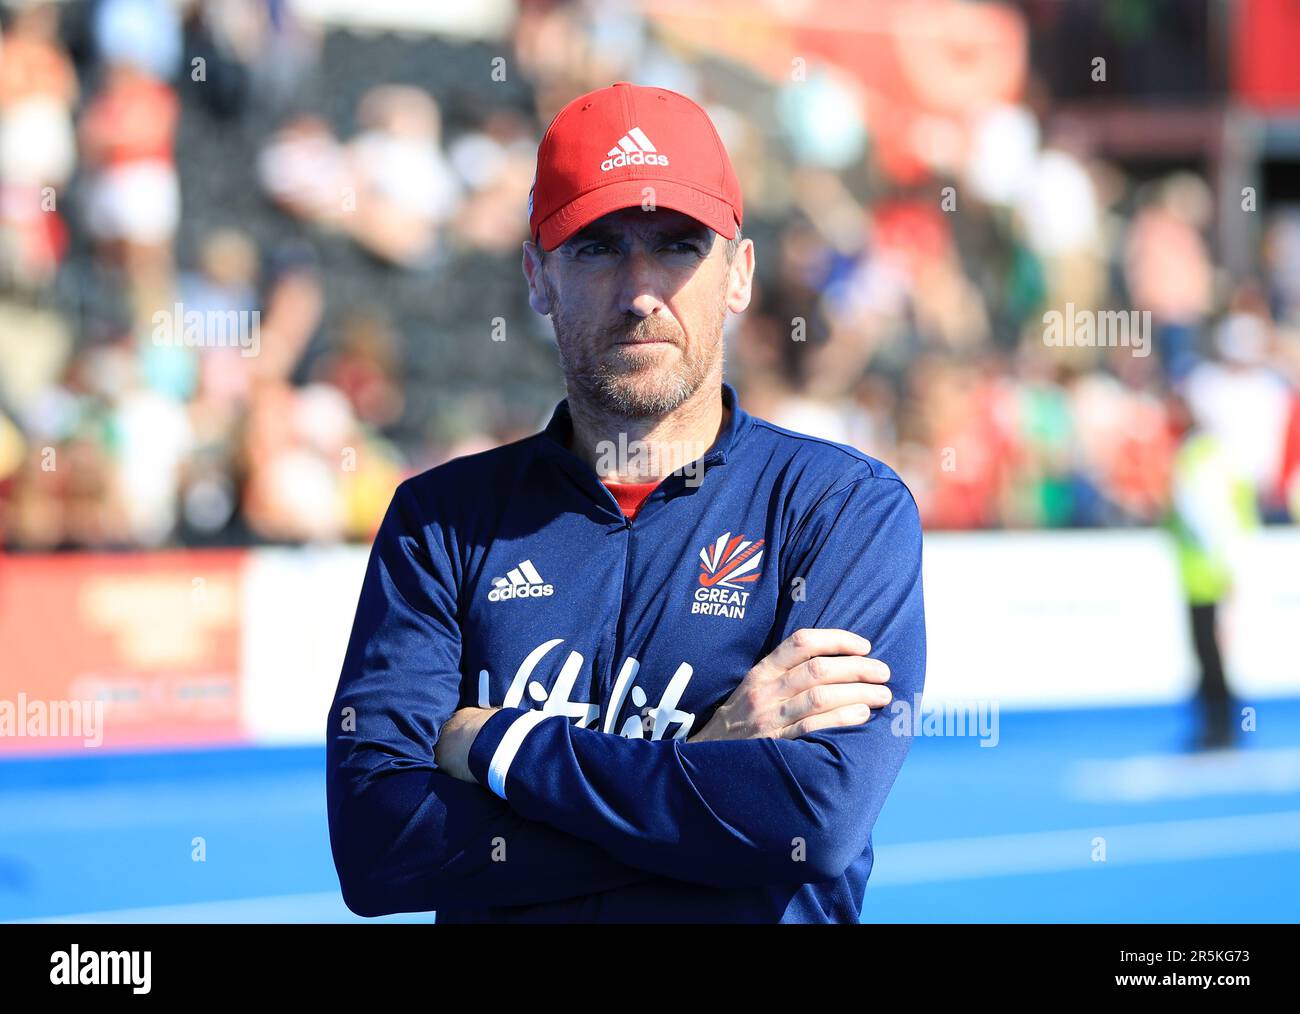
x,y
451,753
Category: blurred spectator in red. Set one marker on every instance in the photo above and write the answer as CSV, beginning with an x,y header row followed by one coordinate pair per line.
x,y
365,368
133,201
1289,475
964,425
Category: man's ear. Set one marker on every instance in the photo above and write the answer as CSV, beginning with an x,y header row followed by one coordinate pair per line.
x,y
538,298
740,277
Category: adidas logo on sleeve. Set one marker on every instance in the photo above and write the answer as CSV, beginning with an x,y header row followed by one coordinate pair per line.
x,y
523,582
633,148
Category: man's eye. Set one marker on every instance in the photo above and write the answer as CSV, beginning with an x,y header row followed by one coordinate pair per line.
x,y
685,246
594,249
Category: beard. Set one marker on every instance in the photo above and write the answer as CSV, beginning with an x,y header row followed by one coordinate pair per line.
x,y
631,381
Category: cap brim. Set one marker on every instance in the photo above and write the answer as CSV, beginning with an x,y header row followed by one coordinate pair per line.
x,y
631,193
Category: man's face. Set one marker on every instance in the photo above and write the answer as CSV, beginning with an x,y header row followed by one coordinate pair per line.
x,y
638,300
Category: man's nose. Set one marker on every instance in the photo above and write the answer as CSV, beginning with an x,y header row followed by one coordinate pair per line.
x,y
642,292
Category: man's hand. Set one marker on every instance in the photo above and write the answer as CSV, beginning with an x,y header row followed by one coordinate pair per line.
x,y
451,753
817,678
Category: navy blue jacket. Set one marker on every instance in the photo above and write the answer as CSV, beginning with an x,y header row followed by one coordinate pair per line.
x,y
511,578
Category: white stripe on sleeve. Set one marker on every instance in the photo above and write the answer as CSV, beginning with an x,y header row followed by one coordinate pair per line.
x,y
509,746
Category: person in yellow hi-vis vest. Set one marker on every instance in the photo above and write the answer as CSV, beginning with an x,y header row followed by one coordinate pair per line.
x,y
1212,513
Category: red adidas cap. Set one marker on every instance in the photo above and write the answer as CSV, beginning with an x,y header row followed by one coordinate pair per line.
x,y
604,148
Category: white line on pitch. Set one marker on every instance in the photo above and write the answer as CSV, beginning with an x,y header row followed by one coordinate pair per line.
x,y
1151,777
1012,855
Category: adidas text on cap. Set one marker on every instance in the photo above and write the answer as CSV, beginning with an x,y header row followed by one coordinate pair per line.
x,y
615,148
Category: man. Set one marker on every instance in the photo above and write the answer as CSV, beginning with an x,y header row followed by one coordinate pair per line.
x,y
624,669
1212,514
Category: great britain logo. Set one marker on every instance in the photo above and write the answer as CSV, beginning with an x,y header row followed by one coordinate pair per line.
x,y
728,569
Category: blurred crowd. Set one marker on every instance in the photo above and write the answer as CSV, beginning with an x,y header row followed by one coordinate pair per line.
x,y
183,368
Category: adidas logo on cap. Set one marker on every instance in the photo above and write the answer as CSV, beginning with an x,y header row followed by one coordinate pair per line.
x,y
523,582
633,148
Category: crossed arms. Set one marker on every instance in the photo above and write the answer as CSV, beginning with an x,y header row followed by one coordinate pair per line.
x,y
582,811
